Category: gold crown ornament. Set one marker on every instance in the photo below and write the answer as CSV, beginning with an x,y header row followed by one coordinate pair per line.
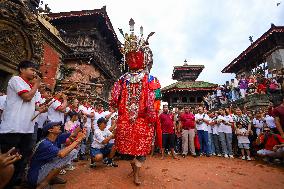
x,y
136,50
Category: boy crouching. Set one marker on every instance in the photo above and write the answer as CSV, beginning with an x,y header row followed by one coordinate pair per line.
x,y
102,145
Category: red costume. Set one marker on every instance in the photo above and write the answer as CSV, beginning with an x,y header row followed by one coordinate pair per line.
x,y
136,95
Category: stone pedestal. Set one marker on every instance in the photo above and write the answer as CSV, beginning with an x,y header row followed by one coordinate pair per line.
x,y
255,102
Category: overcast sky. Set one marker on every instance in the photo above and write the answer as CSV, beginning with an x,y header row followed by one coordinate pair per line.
x,y
208,32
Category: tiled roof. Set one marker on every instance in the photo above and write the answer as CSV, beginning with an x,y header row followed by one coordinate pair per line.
x,y
190,86
257,49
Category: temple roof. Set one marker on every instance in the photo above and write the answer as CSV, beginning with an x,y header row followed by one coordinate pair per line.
x,y
187,72
189,67
96,16
190,86
255,54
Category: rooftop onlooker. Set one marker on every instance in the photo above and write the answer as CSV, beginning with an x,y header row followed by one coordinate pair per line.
x,y
243,85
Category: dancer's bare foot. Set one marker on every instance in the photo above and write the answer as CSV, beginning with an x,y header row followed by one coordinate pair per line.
x,y
132,167
163,157
137,181
136,175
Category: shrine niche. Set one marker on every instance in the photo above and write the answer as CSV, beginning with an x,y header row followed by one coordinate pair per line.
x,y
20,35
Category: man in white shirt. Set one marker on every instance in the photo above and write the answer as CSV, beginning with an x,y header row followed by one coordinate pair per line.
x,y
202,121
101,145
225,133
57,109
42,118
16,128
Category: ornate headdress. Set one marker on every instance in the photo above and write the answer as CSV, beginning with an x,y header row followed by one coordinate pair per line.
x,y
136,50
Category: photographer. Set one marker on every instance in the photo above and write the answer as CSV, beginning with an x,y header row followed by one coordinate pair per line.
x,y
48,159
267,142
102,145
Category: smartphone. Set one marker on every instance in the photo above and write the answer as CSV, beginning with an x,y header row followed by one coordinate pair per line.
x,y
14,152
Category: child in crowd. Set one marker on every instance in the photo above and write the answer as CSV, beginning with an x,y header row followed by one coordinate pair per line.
x,y
178,146
73,123
243,140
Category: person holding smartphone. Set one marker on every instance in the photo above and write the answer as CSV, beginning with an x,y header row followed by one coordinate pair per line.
x,y
7,161
48,158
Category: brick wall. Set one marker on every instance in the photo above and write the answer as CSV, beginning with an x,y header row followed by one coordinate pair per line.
x,y
50,65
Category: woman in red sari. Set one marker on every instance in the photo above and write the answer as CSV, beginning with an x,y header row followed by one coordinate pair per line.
x,y
135,95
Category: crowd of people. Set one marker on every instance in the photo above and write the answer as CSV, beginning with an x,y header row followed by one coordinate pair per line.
x,y
42,133
227,133
258,82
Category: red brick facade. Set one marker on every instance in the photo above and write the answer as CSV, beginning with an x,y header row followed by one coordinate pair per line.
x,y
50,65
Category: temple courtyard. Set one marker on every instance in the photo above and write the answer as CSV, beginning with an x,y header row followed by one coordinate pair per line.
x,y
202,173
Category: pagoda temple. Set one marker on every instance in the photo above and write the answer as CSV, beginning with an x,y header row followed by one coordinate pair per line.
x,y
95,57
187,91
267,49
77,51
268,52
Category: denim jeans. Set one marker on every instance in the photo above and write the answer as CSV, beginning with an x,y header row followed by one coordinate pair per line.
x,y
203,141
211,147
56,163
216,144
226,143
